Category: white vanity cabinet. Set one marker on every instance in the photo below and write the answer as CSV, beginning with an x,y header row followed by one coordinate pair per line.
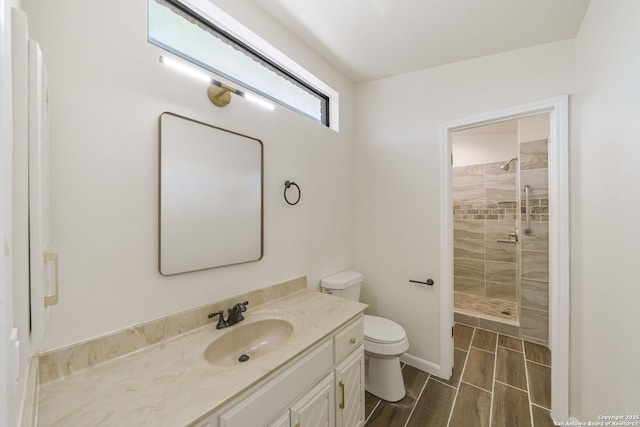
x,y
322,388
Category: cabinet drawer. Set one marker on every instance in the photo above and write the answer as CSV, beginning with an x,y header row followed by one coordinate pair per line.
x,y
348,339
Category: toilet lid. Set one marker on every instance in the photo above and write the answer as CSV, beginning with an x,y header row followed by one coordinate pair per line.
x,y
381,330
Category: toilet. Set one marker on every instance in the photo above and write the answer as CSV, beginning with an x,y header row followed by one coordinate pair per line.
x,y
384,341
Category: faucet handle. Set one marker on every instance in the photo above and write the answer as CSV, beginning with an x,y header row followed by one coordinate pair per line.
x,y
221,322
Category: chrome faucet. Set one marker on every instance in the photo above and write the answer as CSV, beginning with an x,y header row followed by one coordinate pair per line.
x,y
235,315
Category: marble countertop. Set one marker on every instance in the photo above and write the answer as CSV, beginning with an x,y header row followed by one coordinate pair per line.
x,y
171,384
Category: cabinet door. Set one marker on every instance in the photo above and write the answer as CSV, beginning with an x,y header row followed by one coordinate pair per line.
x,y
317,407
283,420
350,391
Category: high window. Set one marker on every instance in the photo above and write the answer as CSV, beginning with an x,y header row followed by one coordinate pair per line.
x,y
202,34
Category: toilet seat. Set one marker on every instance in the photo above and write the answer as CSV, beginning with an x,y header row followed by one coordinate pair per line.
x,y
382,331
384,337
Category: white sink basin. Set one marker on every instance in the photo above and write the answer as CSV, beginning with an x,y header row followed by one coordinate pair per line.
x,y
244,342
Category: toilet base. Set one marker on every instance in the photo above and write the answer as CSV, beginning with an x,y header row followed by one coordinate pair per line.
x,y
383,378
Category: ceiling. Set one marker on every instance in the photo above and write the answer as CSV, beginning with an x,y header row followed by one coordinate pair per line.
x,y
372,39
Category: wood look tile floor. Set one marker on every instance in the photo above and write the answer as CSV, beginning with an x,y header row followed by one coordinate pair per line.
x,y
497,381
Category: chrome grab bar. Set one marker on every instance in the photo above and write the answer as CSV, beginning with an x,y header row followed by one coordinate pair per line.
x,y
527,208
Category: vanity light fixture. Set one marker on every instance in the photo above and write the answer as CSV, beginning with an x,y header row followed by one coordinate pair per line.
x,y
218,93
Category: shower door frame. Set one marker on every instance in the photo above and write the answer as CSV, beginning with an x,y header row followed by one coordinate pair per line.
x,y
558,109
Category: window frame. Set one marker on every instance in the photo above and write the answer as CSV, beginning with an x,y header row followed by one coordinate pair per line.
x,y
227,26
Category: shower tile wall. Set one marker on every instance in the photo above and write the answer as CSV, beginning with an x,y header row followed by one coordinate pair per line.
x,y
534,278
485,210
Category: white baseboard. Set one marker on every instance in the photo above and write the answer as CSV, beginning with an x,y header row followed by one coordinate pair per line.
x,y
423,365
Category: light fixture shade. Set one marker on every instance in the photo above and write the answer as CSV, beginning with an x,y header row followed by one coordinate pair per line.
x,y
257,100
179,66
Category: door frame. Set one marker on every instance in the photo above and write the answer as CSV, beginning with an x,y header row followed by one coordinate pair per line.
x,y
559,256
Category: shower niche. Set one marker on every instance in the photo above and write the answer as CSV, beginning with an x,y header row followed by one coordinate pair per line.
x,y
501,273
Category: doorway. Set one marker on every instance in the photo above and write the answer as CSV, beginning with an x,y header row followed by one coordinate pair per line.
x,y
558,232
501,227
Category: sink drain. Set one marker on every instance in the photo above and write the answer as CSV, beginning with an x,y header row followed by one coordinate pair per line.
x,y
244,358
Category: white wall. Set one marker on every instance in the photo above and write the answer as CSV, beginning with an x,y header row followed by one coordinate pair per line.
x,y
106,91
605,296
398,170
476,149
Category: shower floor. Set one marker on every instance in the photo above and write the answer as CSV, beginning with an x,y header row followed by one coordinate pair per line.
x,y
487,308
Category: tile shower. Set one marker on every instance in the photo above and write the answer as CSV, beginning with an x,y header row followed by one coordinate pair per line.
x,y
500,284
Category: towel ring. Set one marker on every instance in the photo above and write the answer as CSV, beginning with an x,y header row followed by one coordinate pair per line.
x,y
287,185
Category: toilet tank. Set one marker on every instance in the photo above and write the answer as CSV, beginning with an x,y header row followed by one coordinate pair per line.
x,y
345,285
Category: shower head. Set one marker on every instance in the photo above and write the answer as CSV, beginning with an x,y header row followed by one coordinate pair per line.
x,y
505,165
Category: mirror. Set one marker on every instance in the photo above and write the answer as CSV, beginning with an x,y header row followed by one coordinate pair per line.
x,y
210,196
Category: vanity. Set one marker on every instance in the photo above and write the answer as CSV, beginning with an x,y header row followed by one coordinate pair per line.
x,y
323,387
303,366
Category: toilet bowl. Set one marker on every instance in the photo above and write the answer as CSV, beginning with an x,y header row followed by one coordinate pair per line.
x,y
384,341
